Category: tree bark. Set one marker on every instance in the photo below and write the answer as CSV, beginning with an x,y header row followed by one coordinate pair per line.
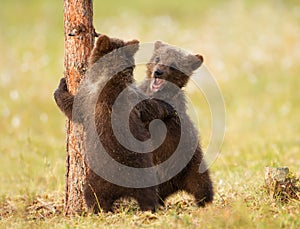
x,y
79,39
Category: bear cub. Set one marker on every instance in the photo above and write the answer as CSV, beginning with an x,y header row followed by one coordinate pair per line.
x,y
92,106
169,67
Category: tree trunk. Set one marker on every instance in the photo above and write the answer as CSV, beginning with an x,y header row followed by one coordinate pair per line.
x,y
79,39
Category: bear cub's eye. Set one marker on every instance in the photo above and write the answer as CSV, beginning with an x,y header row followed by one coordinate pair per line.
x,y
156,60
173,66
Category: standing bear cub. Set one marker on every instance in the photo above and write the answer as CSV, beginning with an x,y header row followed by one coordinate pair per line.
x,y
110,72
168,71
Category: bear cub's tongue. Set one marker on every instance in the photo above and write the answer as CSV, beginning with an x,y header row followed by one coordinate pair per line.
x,y
156,84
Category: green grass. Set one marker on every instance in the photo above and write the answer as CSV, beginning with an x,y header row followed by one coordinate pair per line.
x,y
251,48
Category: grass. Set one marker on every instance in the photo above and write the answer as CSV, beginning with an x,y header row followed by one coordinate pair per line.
x,y
252,49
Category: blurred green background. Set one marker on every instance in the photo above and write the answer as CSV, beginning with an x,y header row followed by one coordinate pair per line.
x,y
251,47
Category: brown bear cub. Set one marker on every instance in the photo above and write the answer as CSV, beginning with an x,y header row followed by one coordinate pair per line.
x,y
170,67
110,72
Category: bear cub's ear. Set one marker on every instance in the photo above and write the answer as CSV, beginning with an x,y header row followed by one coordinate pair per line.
x,y
195,61
131,47
101,48
158,44
103,43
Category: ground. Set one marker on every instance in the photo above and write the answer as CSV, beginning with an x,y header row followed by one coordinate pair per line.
x,y
251,48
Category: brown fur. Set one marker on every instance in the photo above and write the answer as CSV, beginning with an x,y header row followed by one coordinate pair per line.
x,y
98,190
173,65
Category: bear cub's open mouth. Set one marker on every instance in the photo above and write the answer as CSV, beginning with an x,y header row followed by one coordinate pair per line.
x,y
156,84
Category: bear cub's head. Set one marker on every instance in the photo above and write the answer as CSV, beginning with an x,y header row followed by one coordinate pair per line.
x,y
105,45
169,63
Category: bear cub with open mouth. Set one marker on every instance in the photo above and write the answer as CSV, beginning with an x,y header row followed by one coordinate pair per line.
x,y
169,68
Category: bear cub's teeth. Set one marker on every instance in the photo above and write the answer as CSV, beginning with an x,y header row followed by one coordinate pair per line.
x,y
156,84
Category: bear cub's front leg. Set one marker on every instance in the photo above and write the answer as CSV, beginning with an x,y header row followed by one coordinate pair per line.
x,y
64,99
